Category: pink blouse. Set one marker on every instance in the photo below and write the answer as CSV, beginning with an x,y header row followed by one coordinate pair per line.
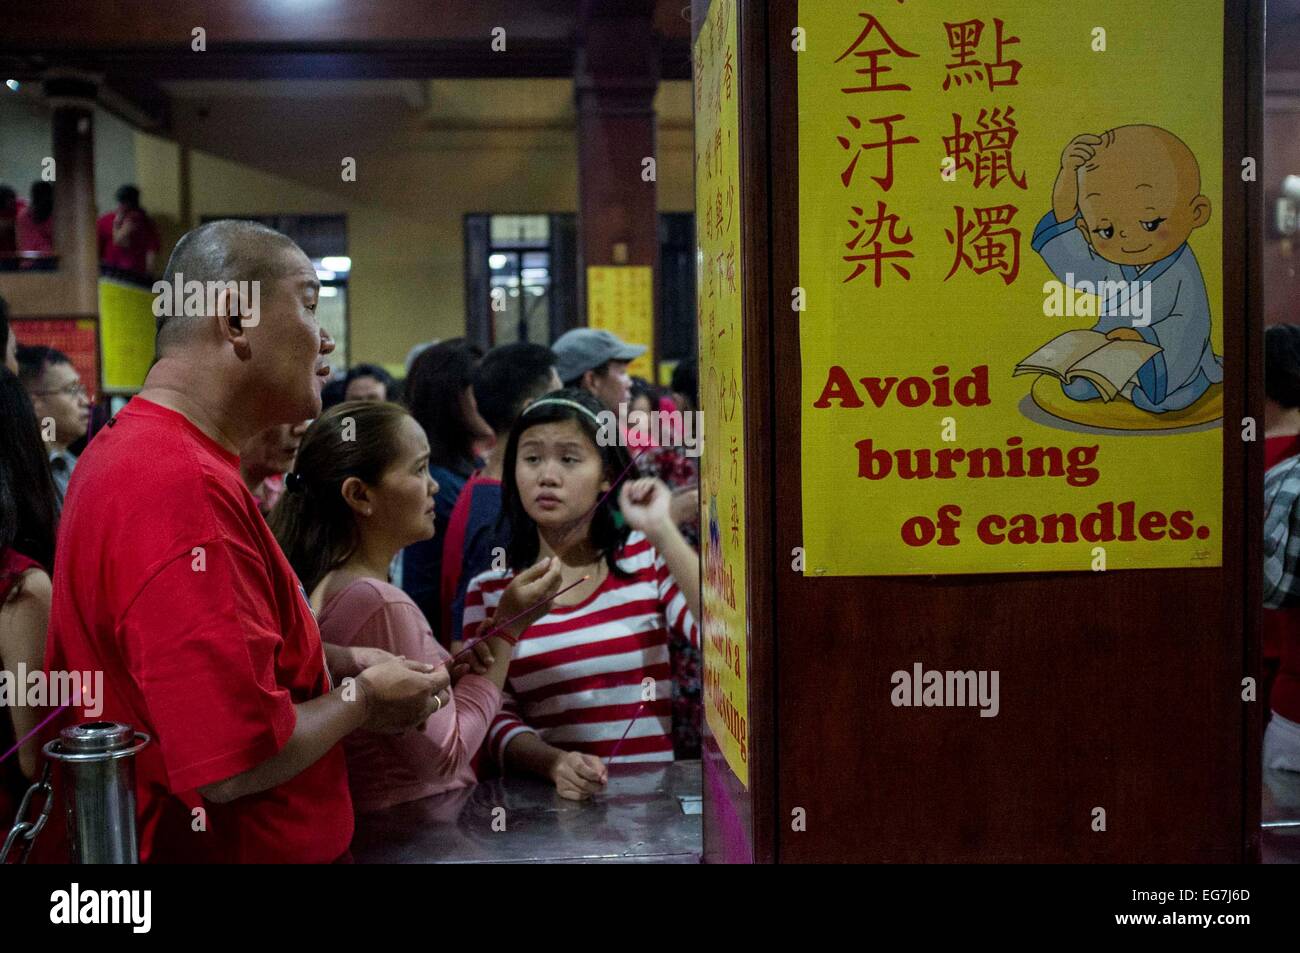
x,y
384,769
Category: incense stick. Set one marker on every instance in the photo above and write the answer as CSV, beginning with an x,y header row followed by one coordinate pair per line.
x,y
635,716
23,739
502,626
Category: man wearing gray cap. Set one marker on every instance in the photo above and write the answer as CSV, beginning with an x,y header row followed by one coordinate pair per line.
x,y
596,361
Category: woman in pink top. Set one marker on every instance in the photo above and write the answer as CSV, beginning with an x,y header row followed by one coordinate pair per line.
x,y
359,493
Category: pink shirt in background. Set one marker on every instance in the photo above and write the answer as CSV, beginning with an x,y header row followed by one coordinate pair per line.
x,y
384,770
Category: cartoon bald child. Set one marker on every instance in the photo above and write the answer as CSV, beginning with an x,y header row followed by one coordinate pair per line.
x,y
1123,207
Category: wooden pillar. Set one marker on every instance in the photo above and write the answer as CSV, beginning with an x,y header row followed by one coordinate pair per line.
x,y
72,98
615,80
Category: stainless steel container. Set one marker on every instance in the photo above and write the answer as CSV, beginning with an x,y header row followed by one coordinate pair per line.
x,y
97,773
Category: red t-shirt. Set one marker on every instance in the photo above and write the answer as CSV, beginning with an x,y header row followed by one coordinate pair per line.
x,y
169,581
135,255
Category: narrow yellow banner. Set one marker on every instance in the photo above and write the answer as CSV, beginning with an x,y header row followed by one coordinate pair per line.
x,y
722,482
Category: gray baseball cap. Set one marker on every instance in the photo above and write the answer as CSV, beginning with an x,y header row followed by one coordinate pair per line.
x,y
584,349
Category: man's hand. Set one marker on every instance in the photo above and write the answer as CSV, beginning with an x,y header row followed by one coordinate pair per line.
x,y
578,776
397,697
124,224
1123,334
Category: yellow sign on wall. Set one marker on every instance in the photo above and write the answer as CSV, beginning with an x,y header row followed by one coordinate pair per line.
x,y
126,334
1010,264
718,292
620,299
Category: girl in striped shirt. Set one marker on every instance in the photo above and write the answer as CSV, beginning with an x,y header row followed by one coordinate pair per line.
x,y
599,657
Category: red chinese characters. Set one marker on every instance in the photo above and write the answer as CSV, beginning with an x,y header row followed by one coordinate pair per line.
x,y
870,248
964,40
982,145
887,180
985,150
995,246
874,68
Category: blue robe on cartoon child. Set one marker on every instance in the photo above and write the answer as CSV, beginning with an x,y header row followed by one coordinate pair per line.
x,y
1179,319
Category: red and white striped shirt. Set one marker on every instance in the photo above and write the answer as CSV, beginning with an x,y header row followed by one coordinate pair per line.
x,y
576,675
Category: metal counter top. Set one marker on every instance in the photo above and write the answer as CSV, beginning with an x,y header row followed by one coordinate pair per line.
x,y
639,818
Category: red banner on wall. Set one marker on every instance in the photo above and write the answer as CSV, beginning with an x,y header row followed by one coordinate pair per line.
x,y
76,337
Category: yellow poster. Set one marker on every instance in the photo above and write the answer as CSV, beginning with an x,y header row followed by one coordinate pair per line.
x,y
620,299
1010,265
718,295
126,334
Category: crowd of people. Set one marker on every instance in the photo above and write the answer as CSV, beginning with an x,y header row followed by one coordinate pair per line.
x,y
324,597
127,237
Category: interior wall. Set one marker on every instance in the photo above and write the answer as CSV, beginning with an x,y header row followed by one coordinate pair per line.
x,y
26,141
406,213
405,210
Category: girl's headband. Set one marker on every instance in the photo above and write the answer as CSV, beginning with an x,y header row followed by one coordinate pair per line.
x,y
567,403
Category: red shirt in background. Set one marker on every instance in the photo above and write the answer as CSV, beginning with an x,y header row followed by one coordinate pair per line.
x,y
143,240
1281,627
169,581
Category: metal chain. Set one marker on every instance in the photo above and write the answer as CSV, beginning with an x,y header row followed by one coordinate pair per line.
x,y
24,833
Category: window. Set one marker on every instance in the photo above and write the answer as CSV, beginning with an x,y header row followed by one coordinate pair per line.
x,y
332,307
519,278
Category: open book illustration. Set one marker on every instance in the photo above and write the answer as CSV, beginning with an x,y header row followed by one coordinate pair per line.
x,y
1108,365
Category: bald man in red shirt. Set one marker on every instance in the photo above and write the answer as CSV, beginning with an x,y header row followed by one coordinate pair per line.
x,y
169,581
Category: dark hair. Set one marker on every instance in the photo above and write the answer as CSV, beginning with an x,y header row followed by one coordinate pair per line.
x,y
369,370
1282,364
605,533
129,196
28,500
510,376
643,388
686,380
42,206
312,522
33,359
433,387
